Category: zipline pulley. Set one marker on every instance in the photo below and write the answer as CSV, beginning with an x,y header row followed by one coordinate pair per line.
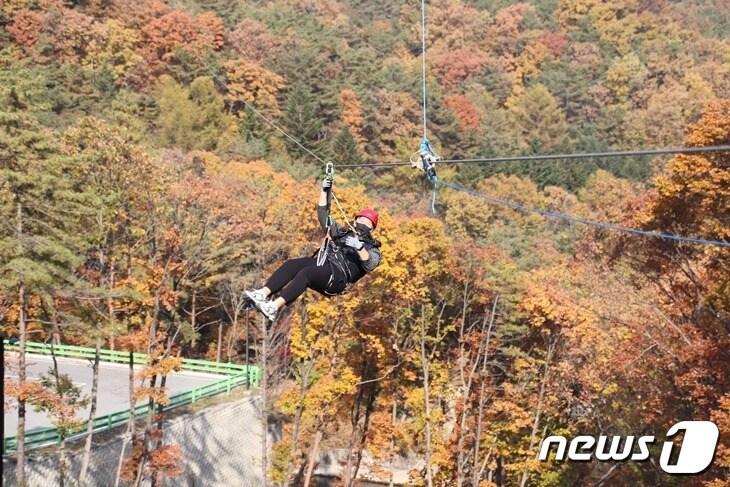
x,y
426,160
329,172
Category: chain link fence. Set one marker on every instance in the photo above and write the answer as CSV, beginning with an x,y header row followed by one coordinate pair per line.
x,y
221,446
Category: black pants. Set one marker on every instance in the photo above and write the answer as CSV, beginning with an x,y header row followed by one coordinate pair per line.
x,y
296,275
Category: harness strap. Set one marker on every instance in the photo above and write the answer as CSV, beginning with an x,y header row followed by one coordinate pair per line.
x,y
329,171
342,212
335,264
322,252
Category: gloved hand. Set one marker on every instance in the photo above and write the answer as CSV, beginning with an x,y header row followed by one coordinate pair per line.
x,y
354,242
327,183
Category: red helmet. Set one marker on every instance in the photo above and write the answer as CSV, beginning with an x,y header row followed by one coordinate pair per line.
x,y
370,214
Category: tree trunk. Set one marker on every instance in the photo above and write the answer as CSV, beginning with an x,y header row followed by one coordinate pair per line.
x,y
232,334
95,379
152,341
476,470
394,417
427,403
355,421
296,424
20,468
220,342
264,406
131,425
313,457
160,410
62,449
121,457
62,463
477,435
163,381
248,373
92,411
146,434
132,398
538,409
363,434
465,390
193,312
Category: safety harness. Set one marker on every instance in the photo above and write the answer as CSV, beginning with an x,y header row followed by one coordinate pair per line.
x,y
425,159
330,251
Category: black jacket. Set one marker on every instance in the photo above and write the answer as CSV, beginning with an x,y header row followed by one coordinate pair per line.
x,y
346,257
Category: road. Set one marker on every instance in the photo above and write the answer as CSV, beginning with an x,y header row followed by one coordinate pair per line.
x,y
113,387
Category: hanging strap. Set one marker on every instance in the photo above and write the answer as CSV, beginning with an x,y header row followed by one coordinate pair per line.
x,y
342,212
322,252
329,171
423,65
323,248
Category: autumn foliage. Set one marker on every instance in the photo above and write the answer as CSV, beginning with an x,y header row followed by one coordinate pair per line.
x,y
141,192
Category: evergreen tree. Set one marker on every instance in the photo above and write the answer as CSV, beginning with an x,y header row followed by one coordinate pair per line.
x,y
42,220
213,128
446,130
185,66
344,148
195,118
177,114
538,122
568,86
302,121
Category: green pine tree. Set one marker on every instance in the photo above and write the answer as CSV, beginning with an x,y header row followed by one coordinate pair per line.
x,y
194,118
345,149
302,121
44,208
43,215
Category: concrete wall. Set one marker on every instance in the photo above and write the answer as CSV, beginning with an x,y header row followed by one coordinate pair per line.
x,y
221,447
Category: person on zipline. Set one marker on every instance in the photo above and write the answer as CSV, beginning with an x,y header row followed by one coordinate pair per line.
x,y
346,255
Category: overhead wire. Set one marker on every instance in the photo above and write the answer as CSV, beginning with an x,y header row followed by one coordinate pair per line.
x,y
583,221
551,157
499,159
283,132
342,212
423,65
541,157
539,211
303,147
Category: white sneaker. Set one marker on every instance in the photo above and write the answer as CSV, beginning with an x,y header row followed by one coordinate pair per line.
x,y
269,309
257,296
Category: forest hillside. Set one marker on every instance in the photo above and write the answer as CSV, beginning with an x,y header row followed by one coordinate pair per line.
x,y
143,188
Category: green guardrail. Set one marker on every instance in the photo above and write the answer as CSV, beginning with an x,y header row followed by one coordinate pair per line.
x,y
118,356
236,375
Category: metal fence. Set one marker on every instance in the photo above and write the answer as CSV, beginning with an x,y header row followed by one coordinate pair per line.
x,y
236,375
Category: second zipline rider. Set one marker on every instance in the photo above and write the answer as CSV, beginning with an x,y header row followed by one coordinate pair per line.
x,y
347,253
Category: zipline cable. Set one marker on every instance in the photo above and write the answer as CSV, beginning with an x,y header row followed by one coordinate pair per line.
x,y
542,157
326,164
550,157
342,212
545,213
583,221
275,126
423,64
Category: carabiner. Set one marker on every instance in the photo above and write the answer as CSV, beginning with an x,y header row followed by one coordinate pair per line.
x,y
329,169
